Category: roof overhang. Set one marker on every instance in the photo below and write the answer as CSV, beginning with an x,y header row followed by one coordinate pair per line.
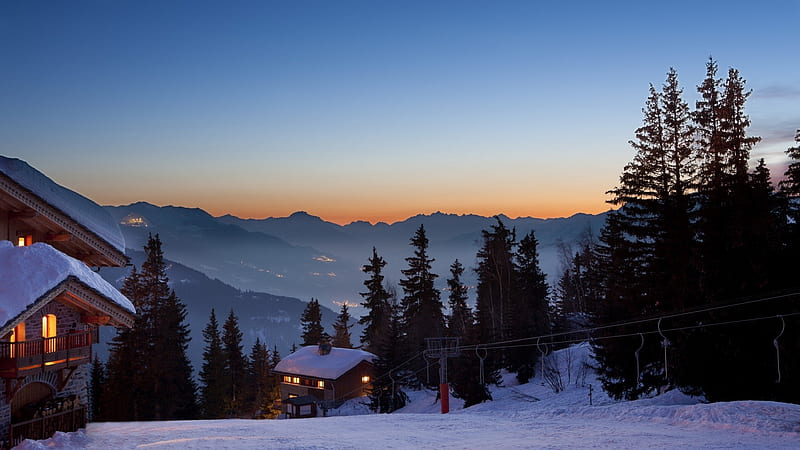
x,y
61,231
80,296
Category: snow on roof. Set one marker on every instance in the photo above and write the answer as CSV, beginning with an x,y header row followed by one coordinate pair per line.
x,y
307,361
31,272
82,210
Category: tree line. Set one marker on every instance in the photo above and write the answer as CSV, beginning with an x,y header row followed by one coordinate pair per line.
x,y
697,232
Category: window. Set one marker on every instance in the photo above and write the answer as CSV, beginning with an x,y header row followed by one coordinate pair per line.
x,y
321,384
25,240
17,335
296,380
49,331
365,379
287,379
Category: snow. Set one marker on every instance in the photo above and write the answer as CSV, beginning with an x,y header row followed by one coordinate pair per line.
x,y
307,361
521,416
30,272
82,210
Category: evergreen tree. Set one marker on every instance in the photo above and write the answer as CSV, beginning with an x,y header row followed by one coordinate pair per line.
x,y
235,365
461,318
261,382
496,278
98,381
341,337
275,357
421,304
385,394
213,382
375,302
529,306
311,321
161,386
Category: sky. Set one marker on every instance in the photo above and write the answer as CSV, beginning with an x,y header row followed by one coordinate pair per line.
x,y
369,110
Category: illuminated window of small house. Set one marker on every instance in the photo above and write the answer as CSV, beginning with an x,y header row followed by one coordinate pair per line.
x,y
287,379
296,380
17,335
49,331
365,379
24,241
321,384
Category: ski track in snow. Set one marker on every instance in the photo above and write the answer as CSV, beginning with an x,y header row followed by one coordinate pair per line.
x,y
511,421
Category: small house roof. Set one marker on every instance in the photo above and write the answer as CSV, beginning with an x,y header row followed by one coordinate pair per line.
x,y
85,212
29,273
303,400
307,361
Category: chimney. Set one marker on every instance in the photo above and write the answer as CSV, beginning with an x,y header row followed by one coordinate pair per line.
x,y
324,348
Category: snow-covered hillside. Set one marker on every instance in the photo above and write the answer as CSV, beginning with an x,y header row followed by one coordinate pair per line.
x,y
521,416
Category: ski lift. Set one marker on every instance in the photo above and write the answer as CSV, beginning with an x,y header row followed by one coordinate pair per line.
x,y
664,343
481,353
636,353
777,349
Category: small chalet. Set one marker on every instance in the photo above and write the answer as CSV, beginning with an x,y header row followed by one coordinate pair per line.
x,y
51,301
321,377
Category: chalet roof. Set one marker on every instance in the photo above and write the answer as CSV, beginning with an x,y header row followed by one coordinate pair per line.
x,y
85,212
30,273
307,361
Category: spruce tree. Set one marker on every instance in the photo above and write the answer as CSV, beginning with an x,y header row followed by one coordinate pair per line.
x,y
98,381
529,306
311,321
161,385
235,365
261,383
376,304
385,394
213,383
421,303
341,337
461,318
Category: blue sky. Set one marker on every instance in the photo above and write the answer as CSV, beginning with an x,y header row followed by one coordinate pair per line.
x,y
368,109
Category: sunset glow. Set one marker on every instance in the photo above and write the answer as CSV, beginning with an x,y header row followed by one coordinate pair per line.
x,y
363,110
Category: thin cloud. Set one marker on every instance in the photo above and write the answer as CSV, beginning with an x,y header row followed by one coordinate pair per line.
x,y
777,91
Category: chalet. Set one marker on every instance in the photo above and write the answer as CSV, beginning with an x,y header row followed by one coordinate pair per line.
x,y
51,301
319,377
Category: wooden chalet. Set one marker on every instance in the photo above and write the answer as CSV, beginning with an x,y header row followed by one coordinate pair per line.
x,y
51,301
316,378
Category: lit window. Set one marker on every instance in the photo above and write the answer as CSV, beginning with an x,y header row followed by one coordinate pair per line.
x,y
49,331
365,379
287,379
296,380
24,241
321,384
17,335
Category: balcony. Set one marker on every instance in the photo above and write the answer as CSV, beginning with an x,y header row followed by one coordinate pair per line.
x,y
20,359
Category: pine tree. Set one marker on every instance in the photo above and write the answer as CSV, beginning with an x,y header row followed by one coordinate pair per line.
x,y
98,381
461,317
235,365
311,321
496,278
421,305
341,337
529,306
375,302
213,383
385,394
161,385
261,382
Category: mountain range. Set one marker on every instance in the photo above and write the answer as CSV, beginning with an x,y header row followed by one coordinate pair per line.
x,y
267,269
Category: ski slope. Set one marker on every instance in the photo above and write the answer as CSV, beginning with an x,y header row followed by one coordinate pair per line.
x,y
521,416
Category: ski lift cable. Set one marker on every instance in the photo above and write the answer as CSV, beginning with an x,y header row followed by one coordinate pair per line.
x,y
652,319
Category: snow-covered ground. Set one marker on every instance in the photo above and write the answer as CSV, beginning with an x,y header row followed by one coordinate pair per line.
x,y
521,416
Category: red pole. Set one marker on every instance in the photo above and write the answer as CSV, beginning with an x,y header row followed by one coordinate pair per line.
x,y
444,393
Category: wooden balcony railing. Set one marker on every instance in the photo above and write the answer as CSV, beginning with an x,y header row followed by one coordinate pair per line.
x,y
19,359
45,427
